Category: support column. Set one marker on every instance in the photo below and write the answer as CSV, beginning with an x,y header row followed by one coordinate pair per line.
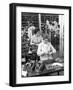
x,y
39,21
61,46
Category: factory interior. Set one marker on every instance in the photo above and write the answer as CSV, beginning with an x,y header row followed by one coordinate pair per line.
x,y
37,28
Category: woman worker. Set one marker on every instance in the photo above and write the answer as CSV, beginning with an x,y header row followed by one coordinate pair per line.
x,y
45,51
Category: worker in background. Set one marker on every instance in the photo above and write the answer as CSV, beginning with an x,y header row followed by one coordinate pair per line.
x,y
36,38
31,28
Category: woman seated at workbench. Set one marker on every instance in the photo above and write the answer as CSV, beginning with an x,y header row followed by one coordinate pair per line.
x,y
45,51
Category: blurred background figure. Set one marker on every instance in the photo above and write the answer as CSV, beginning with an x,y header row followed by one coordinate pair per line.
x,y
31,29
36,38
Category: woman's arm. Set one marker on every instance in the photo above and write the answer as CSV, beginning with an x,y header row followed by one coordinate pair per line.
x,y
40,50
53,50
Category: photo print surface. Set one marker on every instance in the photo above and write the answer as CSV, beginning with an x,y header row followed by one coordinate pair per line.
x,y
42,44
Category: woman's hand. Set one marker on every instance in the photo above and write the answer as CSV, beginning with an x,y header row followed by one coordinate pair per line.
x,y
50,53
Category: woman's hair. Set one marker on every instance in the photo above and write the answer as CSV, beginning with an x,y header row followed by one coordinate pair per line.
x,y
46,37
36,30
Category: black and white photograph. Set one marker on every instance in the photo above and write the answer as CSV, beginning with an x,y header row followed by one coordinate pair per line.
x,y
40,44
